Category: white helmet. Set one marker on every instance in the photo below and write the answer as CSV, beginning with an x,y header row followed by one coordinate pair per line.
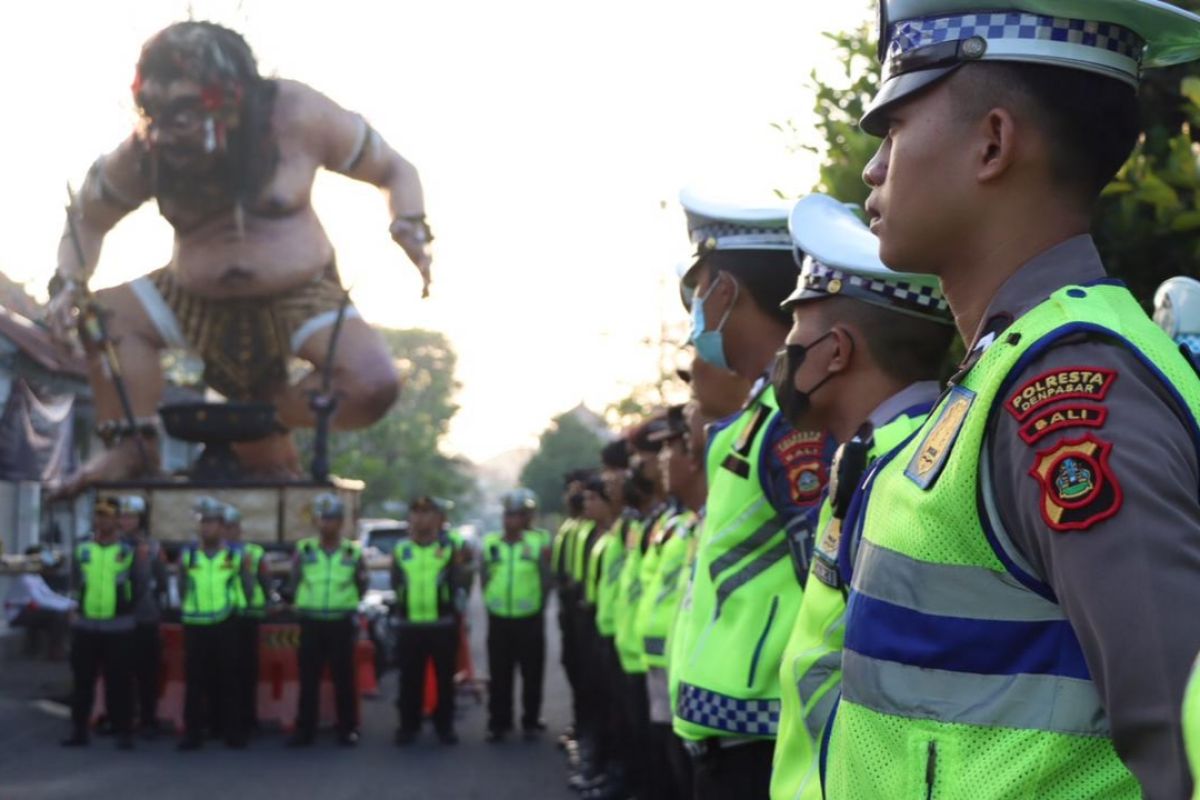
x,y
1177,310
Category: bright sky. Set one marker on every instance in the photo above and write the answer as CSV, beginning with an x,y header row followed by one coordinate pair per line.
x,y
552,139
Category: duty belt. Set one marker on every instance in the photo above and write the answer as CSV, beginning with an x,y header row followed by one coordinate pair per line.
x,y
708,748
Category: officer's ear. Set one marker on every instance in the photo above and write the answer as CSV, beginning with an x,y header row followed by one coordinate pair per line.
x,y
843,348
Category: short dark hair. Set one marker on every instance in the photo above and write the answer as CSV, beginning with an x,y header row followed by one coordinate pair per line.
x,y
1091,121
768,275
907,348
596,485
615,454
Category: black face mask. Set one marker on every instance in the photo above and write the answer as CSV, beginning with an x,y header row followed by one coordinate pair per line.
x,y
793,403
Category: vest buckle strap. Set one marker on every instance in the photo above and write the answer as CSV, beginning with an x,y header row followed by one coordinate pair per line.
x,y
826,573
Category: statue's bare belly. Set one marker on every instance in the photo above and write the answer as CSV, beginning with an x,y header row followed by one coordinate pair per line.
x,y
268,256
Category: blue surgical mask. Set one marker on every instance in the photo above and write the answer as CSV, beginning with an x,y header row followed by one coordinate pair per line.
x,y
710,345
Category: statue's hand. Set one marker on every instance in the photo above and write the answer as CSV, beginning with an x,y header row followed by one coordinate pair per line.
x,y
62,315
412,233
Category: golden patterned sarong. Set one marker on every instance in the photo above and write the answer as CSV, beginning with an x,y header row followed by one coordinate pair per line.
x,y
246,343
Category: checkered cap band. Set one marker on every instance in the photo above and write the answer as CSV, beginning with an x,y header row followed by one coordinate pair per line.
x,y
730,714
714,235
913,34
925,300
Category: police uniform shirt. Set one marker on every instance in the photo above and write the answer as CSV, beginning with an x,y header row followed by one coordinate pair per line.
x,y
1128,578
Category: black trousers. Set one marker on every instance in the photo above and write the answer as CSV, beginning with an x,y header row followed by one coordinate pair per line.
x,y
591,714
108,653
246,644
670,775
569,650
147,666
419,644
327,642
735,773
637,732
513,643
210,684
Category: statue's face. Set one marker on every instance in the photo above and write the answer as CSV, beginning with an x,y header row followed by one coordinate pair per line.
x,y
178,125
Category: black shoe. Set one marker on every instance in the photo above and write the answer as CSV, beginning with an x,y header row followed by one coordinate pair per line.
x,y
235,744
403,737
76,739
189,743
125,742
447,737
299,739
348,739
148,733
493,736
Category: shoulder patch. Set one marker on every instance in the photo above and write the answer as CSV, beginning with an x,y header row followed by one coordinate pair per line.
x,y
800,453
1070,383
931,454
1079,488
1071,415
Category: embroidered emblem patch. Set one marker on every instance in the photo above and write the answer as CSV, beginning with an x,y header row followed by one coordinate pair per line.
x,y
1055,419
807,479
1073,383
1078,486
800,454
931,454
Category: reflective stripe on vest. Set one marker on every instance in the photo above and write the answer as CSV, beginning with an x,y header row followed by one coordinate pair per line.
x,y
938,603
328,587
744,594
425,594
514,575
212,585
107,590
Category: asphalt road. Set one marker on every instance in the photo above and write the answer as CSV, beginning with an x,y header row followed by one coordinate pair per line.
x,y
34,767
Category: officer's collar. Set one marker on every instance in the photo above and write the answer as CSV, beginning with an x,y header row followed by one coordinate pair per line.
x,y
1073,261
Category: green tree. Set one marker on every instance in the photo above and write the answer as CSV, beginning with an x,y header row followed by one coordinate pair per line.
x,y
1147,224
565,445
399,457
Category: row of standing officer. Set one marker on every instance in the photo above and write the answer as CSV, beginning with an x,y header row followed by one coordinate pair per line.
x,y
222,596
432,574
940,619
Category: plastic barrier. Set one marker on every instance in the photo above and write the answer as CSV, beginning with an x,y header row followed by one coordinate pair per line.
x,y
278,677
171,675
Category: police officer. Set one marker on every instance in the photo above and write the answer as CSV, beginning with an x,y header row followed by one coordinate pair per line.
x,y
1021,619
328,580
681,471
1177,311
515,577
647,514
600,768
427,577
764,485
107,588
251,610
211,575
150,562
862,361
566,540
